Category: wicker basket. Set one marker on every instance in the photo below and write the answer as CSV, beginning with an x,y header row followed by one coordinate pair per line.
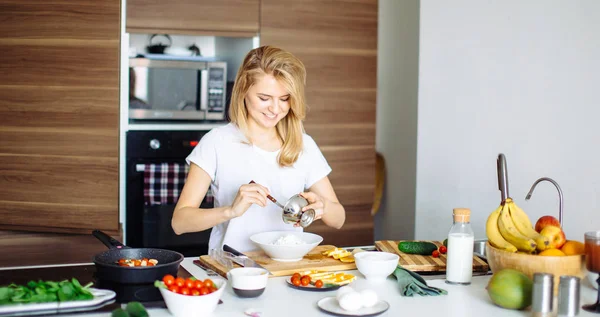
x,y
529,264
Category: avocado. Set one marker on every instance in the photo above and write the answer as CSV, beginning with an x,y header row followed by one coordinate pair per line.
x,y
510,289
417,247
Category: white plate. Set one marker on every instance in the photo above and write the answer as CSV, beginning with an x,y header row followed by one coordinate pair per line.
x,y
330,305
102,297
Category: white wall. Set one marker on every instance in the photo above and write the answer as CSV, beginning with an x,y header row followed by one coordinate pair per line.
x,y
397,80
517,77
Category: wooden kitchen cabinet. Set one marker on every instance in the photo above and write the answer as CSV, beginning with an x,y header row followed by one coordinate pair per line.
x,y
59,119
237,18
337,42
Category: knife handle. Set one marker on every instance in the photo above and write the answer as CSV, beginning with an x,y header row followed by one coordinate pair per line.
x,y
232,250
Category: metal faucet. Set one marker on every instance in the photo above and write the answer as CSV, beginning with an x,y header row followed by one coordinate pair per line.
x,y
560,196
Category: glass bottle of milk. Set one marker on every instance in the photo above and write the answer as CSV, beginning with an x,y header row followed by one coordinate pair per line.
x,y
459,258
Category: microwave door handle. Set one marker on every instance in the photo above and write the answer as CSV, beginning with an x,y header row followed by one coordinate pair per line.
x,y
204,90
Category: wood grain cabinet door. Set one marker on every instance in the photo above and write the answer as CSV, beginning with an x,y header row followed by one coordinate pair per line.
x,y
211,17
337,41
59,115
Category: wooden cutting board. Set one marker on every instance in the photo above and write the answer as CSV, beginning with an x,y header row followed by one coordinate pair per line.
x,y
425,263
314,260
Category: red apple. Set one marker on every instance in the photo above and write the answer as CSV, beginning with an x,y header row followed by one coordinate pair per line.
x,y
556,236
546,221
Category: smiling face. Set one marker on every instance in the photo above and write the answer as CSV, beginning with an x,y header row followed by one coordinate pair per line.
x,y
267,102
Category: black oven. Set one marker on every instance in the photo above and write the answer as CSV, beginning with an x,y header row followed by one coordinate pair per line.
x,y
148,224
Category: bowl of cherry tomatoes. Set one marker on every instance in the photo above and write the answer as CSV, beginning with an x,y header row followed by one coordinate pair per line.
x,y
183,296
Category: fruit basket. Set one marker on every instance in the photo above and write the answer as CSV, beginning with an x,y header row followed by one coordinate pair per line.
x,y
529,264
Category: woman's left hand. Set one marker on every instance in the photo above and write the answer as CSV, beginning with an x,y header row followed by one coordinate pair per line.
x,y
315,202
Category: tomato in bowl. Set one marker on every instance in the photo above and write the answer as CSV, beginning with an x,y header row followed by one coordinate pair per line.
x,y
183,296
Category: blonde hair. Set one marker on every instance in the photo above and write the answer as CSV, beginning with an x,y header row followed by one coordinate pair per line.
x,y
290,72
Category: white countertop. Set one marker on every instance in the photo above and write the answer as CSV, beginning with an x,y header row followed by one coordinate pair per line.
x,y
281,300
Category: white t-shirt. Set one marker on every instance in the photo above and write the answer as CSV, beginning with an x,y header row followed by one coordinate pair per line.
x,y
225,155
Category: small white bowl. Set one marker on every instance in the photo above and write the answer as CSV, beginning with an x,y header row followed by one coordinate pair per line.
x,y
248,282
286,253
199,306
376,266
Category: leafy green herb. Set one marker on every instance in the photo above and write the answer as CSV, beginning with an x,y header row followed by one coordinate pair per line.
x,y
158,284
45,291
133,309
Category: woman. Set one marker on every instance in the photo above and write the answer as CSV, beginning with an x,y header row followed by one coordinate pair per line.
x,y
264,142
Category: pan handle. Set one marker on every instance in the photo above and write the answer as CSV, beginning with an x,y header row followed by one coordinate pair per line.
x,y
107,240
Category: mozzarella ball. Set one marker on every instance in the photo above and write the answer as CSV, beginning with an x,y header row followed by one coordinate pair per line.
x,y
342,291
351,301
369,298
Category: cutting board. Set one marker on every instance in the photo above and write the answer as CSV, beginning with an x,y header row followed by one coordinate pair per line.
x,y
314,260
425,263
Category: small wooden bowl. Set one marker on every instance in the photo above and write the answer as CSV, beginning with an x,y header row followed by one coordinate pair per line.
x,y
573,265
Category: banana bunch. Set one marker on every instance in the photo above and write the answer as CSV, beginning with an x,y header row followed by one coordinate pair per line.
x,y
510,229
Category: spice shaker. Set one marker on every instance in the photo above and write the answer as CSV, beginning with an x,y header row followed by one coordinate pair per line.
x,y
568,296
543,293
292,211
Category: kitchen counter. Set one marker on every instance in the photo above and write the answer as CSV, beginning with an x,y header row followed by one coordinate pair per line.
x,y
279,299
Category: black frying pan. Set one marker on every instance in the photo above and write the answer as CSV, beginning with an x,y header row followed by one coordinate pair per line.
x,y
107,268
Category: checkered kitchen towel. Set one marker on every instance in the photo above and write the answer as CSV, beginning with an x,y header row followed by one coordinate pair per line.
x,y
163,183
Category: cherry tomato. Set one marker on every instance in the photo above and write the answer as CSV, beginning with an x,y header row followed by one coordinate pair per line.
x,y
149,264
168,279
122,261
212,290
305,280
208,283
296,275
443,250
185,291
180,282
195,292
319,284
174,289
435,254
189,283
198,284
137,263
296,281
204,291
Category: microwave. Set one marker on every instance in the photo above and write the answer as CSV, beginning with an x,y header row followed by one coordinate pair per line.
x,y
163,87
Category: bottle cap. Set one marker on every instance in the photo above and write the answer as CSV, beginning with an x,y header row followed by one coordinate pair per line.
x,y
461,214
543,293
568,296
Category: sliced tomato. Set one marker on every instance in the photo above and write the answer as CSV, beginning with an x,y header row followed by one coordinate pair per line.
x,y
137,263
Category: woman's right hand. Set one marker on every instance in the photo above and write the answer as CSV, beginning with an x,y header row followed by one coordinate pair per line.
x,y
247,195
